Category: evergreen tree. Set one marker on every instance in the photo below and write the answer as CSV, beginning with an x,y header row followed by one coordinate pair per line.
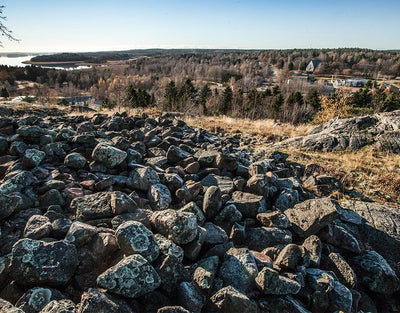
x,y
170,95
313,99
295,97
4,93
226,100
205,93
276,105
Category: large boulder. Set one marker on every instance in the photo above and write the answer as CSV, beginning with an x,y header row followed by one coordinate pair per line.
x,y
379,229
375,273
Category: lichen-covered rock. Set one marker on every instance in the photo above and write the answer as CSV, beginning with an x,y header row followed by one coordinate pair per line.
x,y
142,178
227,217
205,271
271,283
108,155
33,158
193,208
80,233
132,277
75,160
229,299
239,269
38,262
10,204
172,309
35,299
171,272
38,226
310,216
375,273
159,196
180,227
134,238
102,205
167,247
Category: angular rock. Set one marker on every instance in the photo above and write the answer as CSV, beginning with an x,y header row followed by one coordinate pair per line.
x,y
239,269
190,297
343,271
38,226
38,262
180,227
340,237
142,178
375,273
310,216
290,257
248,204
205,271
229,299
35,299
33,158
132,277
159,196
75,160
108,155
134,238
102,205
225,184
271,283
227,217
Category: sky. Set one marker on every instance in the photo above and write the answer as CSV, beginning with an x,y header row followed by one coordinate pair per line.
x,y
97,25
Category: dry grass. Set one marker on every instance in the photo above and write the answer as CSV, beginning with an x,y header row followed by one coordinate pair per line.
x,y
267,128
374,174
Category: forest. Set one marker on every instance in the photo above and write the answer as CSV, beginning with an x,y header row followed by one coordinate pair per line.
x,y
253,84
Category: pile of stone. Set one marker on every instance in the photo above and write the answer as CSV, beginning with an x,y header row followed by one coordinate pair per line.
x,y
141,214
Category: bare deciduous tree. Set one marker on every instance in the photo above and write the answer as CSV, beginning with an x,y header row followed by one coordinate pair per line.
x,y
4,30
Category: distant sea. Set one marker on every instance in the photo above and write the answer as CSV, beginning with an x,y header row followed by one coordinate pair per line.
x,y
17,61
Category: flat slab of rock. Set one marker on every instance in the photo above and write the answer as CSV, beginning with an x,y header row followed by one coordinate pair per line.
x,y
248,204
102,205
379,229
132,277
271,283
311,216
224,183
38,262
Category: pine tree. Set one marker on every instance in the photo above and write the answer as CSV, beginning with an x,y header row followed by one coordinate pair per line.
x,y
205,93
4,93
170,95
226,100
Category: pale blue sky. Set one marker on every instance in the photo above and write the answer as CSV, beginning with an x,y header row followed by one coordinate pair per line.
x,y
90,25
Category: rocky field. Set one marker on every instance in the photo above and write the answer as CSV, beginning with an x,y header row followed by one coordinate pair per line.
x,y
142,214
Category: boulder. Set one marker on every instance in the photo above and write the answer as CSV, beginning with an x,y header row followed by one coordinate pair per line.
x,y
38,262
108,155
311,216
134,238
132,277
